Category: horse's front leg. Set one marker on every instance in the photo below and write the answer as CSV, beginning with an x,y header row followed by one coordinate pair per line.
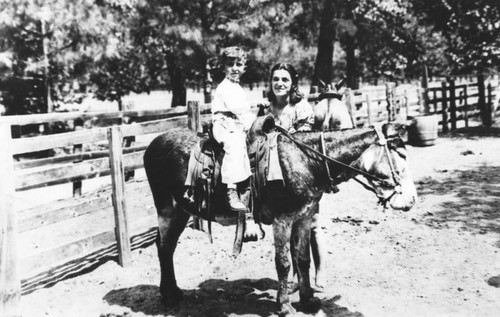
x,y
301,233
282,230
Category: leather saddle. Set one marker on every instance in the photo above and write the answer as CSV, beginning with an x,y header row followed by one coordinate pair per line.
x,y
209,189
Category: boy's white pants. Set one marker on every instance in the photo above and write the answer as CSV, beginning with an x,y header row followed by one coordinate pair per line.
x,y
230,133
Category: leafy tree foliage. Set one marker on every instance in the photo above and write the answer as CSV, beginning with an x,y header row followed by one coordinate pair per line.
x,y
471,29
391,38
52,42
388,39
189,34
123,46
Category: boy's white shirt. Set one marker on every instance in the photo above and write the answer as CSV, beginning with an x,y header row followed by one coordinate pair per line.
x,y
231,97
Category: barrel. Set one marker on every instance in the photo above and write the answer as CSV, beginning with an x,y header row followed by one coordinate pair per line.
x,y
423,131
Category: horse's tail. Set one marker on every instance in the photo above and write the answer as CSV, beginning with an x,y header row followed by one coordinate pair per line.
x,y
155,166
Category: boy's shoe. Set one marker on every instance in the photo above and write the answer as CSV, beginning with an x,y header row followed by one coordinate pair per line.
x,y
233,201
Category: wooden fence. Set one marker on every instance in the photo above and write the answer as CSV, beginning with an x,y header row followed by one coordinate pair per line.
x,y
31,258
455,102
58,239
381,103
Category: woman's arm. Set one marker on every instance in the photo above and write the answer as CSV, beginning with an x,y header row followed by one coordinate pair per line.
x,y
304,116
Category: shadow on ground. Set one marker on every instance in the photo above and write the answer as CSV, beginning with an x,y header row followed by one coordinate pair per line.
x,y
84,265
475,204
216,297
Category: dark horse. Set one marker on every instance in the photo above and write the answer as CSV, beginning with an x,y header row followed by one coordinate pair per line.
x,y
288,205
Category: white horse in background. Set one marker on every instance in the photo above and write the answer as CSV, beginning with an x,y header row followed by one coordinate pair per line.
x,y
331,113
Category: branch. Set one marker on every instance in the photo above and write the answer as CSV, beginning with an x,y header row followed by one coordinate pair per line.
x,y
62,48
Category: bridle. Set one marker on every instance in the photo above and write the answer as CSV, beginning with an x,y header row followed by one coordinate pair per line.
x,y
395,181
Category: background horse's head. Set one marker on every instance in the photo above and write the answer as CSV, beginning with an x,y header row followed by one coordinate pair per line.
x,y
386,160
331,114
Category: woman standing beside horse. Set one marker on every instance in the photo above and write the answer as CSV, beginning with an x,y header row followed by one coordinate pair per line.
x,y
292,112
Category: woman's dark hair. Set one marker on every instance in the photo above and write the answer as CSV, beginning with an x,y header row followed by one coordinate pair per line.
x,y
295,94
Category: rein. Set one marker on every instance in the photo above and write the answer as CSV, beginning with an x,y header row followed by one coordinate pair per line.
x,y
382,142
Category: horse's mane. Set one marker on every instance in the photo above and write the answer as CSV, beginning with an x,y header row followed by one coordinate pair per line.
x,y
336,138
342,144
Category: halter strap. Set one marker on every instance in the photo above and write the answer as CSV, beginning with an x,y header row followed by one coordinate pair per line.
x,y
323,150
382,141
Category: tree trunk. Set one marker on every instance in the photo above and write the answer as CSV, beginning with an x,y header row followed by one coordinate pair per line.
x,y
45,53
350,45
352,76
177,80
327,33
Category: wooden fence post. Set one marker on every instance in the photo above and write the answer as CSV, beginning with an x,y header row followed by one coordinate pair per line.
x,y
77,148
434,97
389,94
193,114
482,98
115,139
444,106
128,141
368,109
453,105
77,185
10,283
194,123
466,106
425,89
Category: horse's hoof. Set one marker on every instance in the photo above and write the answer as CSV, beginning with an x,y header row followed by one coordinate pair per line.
x,y
311,305
286,309
172,298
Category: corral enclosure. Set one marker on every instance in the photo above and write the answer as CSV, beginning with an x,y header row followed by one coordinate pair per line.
x,y
62,238
432,261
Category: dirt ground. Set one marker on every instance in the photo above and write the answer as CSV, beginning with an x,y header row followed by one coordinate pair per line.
x,y
438,259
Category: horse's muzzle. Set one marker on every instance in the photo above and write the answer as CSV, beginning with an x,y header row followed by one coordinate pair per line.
x,y
403,201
